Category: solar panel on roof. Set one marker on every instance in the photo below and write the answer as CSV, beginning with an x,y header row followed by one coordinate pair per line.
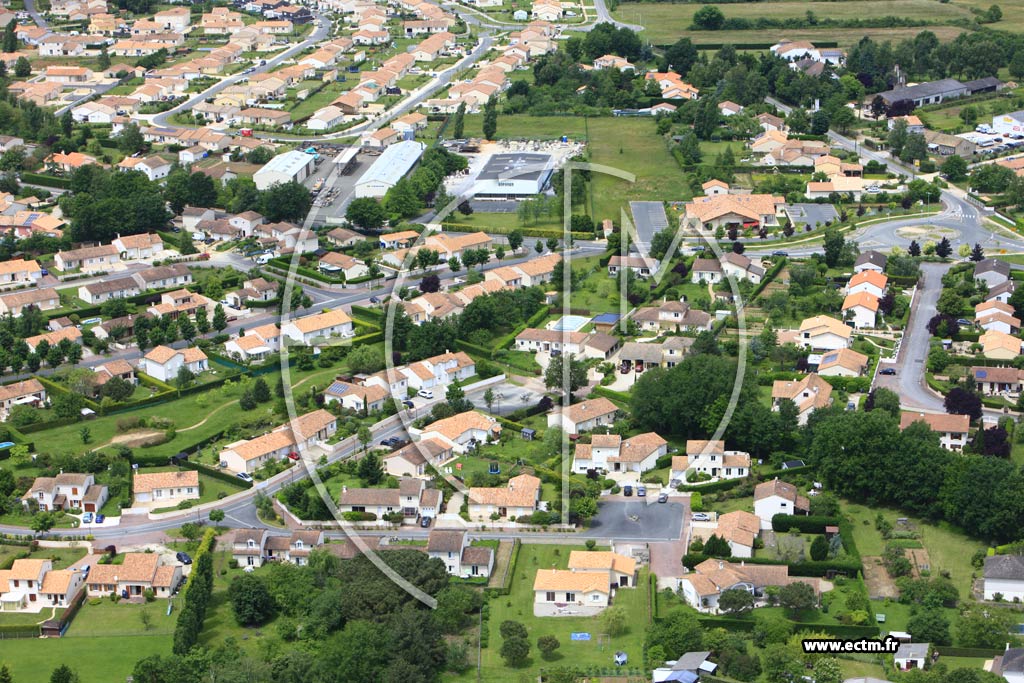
x,y
981,374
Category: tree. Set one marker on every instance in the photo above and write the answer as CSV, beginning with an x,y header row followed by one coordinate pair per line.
x,y
366,212
834,243
943,248
459,123
554,377
983,628
897,137
184,378
797,596
929,626
490,124
5,673
216,515
512,629
42,522
515,240
915,249
977,253
708,18
676,634
251,601
950,303
954,168
960,401
130,139
187,328
365,436
285,202
661,242
736,601
819,548
246,402
827,670
883,399
10,42
220,319
615,621
515,651
22,68
489,398
260,390
820,122
64,674
547,645
430,283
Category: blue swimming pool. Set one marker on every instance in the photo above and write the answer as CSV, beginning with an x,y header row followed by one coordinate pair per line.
x,y
569,323
6,444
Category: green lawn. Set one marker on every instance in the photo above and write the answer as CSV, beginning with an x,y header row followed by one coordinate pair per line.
x,y
22,618
631,145
220,622
61,557
108,618
518,606
666,23
95,660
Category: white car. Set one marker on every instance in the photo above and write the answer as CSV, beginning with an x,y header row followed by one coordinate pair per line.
x,y
244,476
425,393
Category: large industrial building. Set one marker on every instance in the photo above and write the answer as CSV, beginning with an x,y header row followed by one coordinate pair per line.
x,y
510,176
284,168
390,167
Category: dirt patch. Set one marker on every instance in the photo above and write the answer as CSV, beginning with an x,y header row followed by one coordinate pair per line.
x,y
919,561
145,437
880,585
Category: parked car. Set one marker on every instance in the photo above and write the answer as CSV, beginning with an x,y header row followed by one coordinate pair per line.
x,y
701,517
425,522
293,456
183,558
87,518
627,490
408,404
425,393
663,498
887,371
641,491
780,253
964,322
100,519
244,476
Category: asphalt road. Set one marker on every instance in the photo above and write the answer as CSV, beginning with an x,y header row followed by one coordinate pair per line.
x,y
30,7
639,518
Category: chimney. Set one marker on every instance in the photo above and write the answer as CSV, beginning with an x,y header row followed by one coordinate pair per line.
x,y
344,489
721,565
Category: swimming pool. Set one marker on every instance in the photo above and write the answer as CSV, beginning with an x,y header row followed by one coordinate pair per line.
x,y
569,323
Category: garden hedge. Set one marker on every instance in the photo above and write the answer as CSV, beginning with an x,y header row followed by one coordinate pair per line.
x,y
805,523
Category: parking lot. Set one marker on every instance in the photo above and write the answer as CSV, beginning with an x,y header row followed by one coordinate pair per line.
x,y
508,398
639,518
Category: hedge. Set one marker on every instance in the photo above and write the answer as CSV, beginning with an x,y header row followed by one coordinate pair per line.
x,y
46,180
373,314
980,652
617,396
903,280
19,630
150,381
205,546
712,487
768,278
510,573
474,349
804,523
558,233
748,46
215,473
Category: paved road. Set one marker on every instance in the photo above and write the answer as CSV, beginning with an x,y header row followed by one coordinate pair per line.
x,y
30,7
909,380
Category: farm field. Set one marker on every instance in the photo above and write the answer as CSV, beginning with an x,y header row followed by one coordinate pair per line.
x,y
666,23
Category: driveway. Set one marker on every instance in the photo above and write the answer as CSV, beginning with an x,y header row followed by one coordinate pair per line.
x,y
622,519
508,398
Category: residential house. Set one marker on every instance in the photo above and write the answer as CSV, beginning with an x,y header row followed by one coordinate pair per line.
x,y
747,211
705,584
1001,293
861,309
618,570
412,499
994,315
999,345
464,431
842,363
440,371
137,574
641,266
32,585
71,334
29,392
162,277
459,556
612,453
417,459
869,281
342,237
1010,665
165,488
584,416
738,528
88,259
121,369
41,299
870,260
66,491
1004,578
306,331
256,344
1007,381
992,271
952,429
778,497
19,272
710,459
808,394
295,548
911,656
517,499
337,263
358,397
164,363
137,247
559,588
823,333
741,267
105,290
258,289
248,548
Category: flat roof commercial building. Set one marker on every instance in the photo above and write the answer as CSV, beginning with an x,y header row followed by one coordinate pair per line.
x,y
514,175
284,168
391,166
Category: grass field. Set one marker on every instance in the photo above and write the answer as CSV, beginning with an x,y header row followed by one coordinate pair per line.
x,y
631,145
518,606
123,619
96,660
666,23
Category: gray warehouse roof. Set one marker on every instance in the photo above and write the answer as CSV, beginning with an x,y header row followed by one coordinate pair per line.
x,y
506,167
394,163
289,163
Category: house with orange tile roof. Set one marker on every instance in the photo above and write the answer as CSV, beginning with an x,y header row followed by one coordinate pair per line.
x,y
164,363
256,344
870,281
307,330
412,499
32,585
438,372
738,528
517,498
809,394
584,416
777,497
120,368
43,299
612,453
417,459
72,334
952,429
703,586
137,573
99,258
66,491
861,309
824,333
995,315
248,455
999,345
711,459
748,211
464,431
28,392
555,590
19,272
362,398
842,363
142,246
165,489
